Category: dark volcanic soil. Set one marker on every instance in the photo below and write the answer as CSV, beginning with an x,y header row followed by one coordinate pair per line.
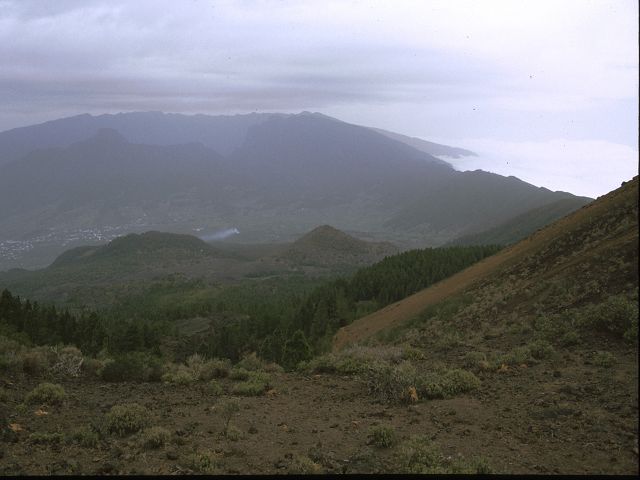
x,y
570,417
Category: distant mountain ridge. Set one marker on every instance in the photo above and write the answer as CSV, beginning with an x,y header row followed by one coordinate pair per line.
x,y
431,148
267,175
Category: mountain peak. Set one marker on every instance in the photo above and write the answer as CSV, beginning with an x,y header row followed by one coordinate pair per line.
x,y
326,245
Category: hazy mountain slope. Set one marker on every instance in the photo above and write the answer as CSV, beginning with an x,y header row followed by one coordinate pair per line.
x,y
316,159
471,201
106,180
589,252
431,148
285,175
522,225
326,245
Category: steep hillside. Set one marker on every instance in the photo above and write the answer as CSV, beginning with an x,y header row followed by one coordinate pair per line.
x,y
595,245
326,245
522,225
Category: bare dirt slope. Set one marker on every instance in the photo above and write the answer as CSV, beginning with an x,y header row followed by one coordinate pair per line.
x,y
559,231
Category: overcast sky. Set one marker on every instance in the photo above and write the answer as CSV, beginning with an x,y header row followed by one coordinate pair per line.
x,y
543,90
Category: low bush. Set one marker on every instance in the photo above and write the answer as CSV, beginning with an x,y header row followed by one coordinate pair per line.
x,y
227,410
92,367
214,368
356,360
132,367
68,362
126,418
180,375
85,437
201,462
233,433
256,383
517,356
213,388
475,361
383,436
155,437
303,465
239,373
251,362
36,361
45,438
419,455
47,393
603,359
401,383
391,383
618,314
541,349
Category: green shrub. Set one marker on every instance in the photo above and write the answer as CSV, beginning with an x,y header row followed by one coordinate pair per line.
x,y
447,383
569,339
85,437
343,363
155,437
179,376
133,367
251,362
475,360
411,353
383,436
10,362
419,455
256,384
126,418
303,465
618,314
45,438
604,359
4,396
35,361
67,361
391,383
357,360
239,374
517,356
541,349
213,388
48,393
227,410
233,433
457,381
201,462
214,368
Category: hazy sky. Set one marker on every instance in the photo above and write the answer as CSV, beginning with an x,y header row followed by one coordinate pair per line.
x,y
543,90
